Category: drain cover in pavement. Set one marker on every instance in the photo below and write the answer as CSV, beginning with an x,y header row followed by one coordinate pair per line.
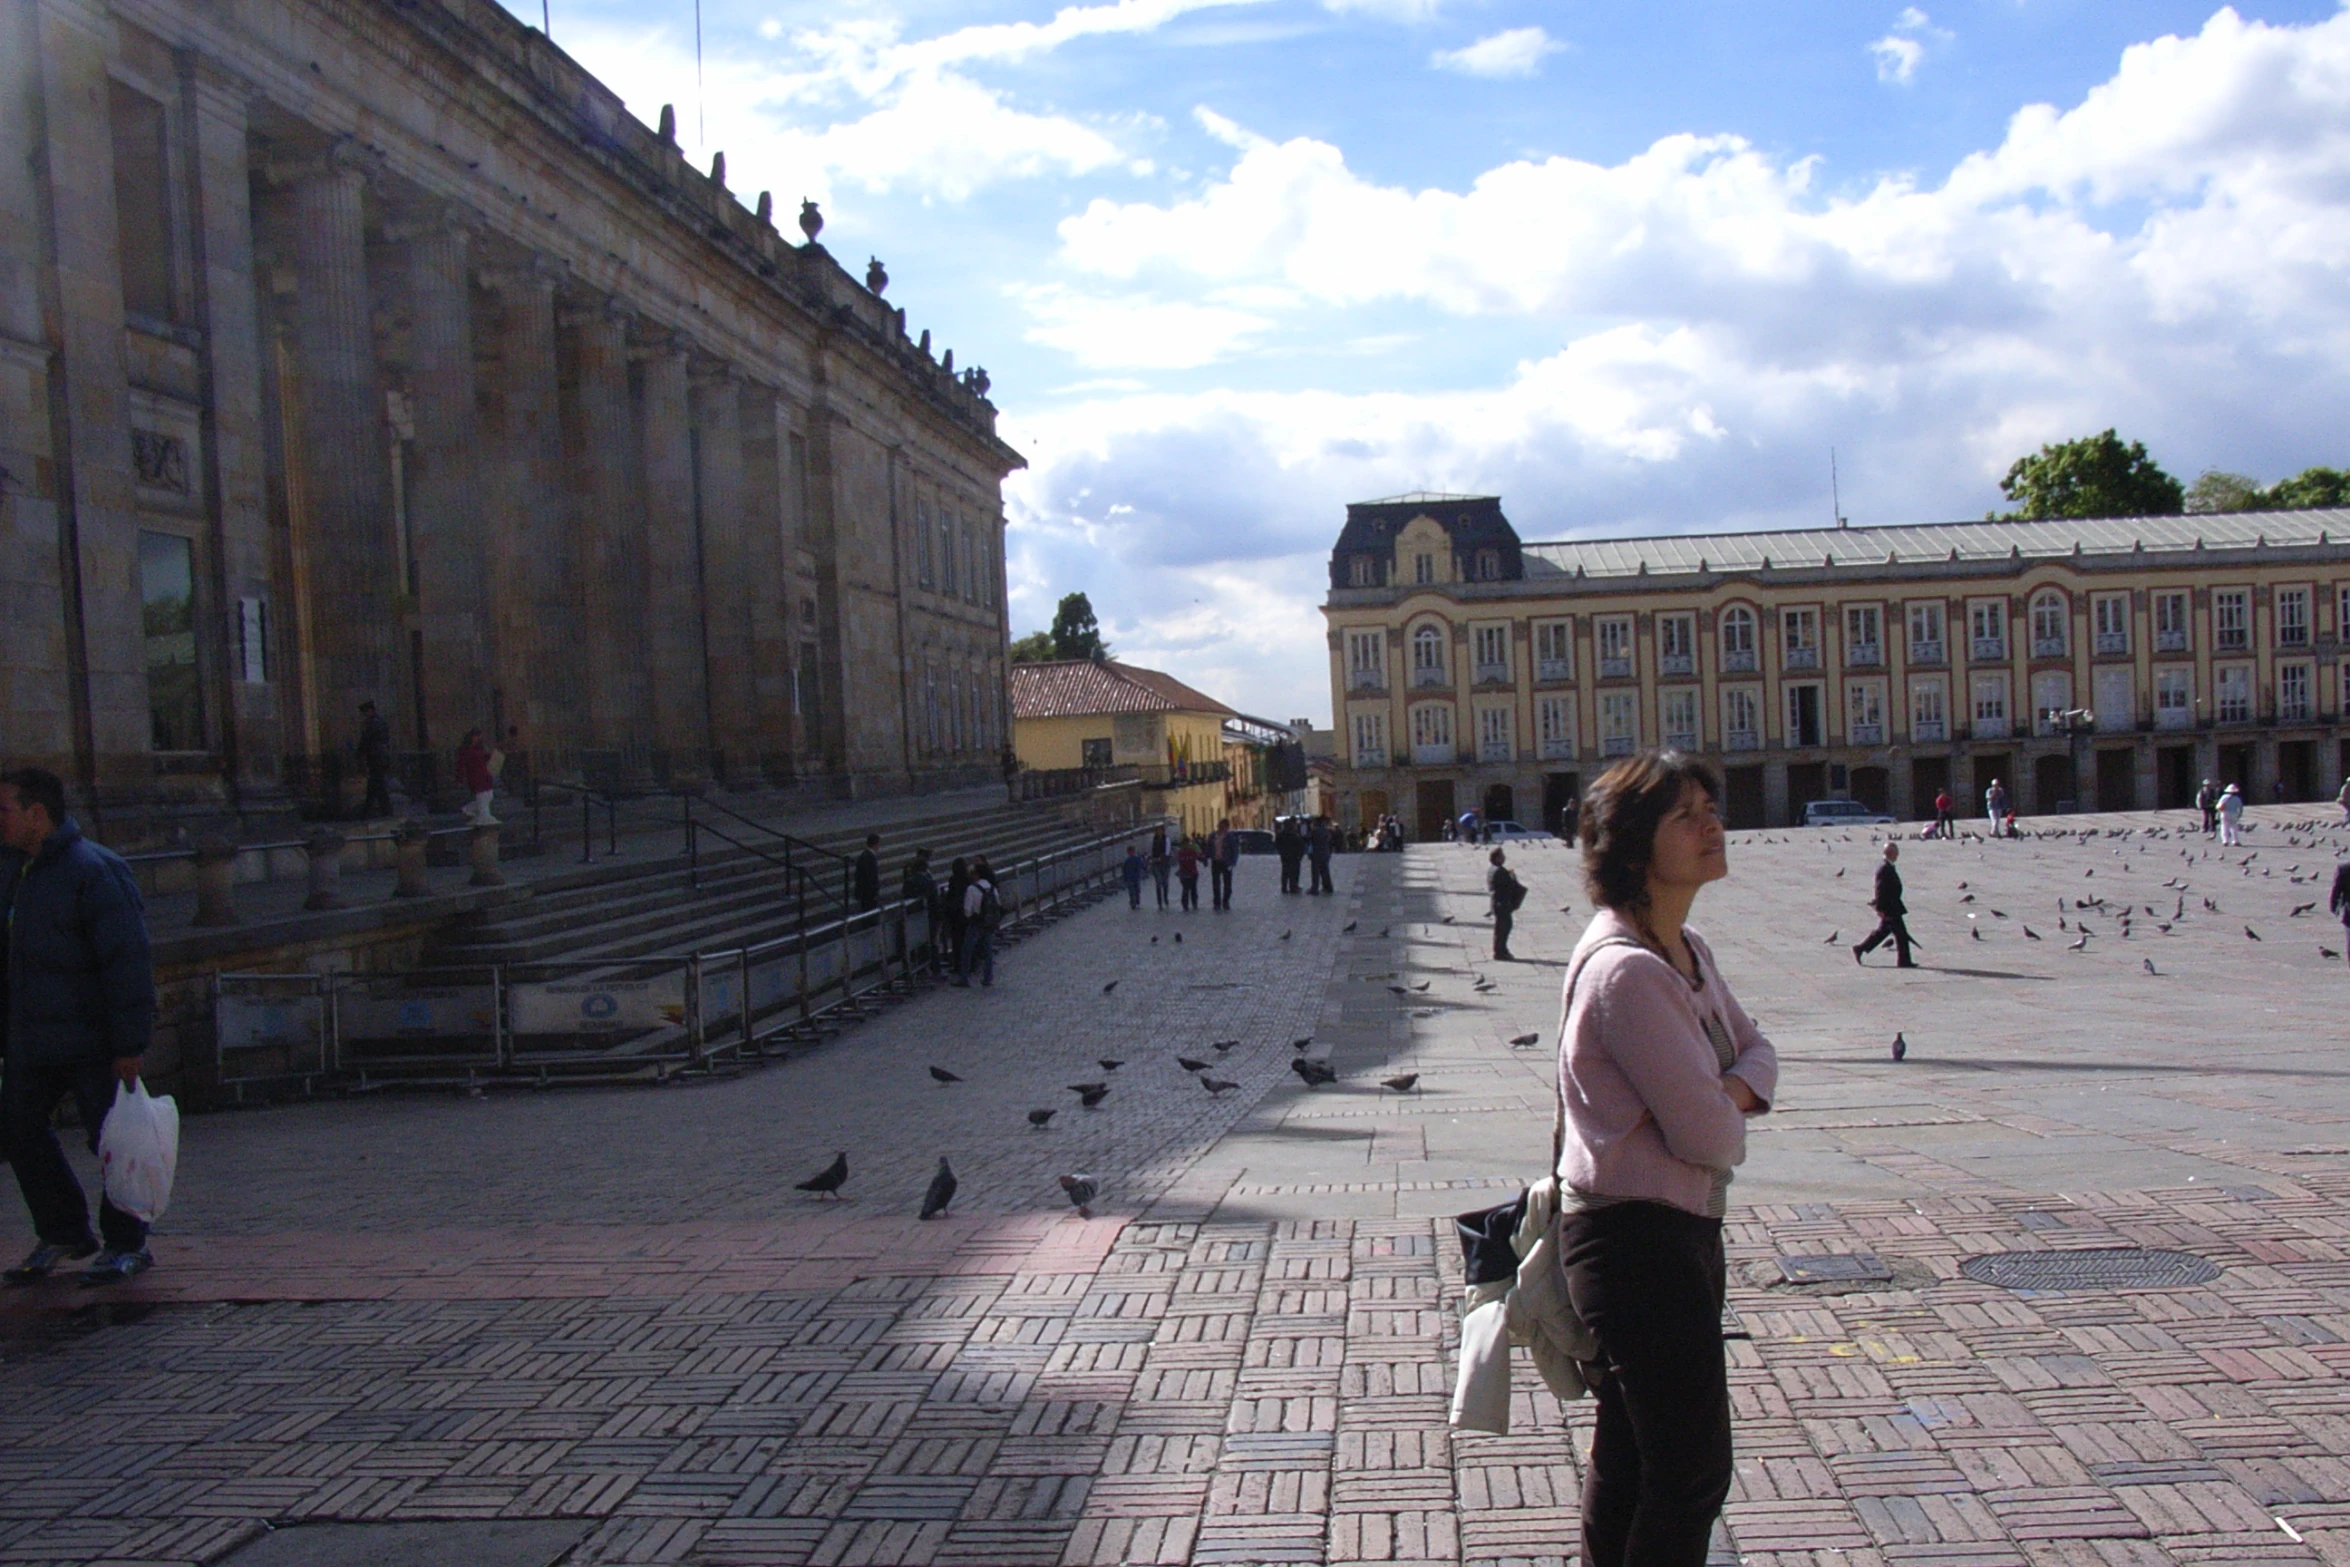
x,y
1859,1267
515,1542
2095,1268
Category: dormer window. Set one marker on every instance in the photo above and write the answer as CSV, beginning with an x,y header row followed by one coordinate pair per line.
x,y
1423,568
1489,565
1362,573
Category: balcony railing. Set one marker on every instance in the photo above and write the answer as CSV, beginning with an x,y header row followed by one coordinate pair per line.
x,y
1741,740
1987,650
1493,674
2232,639
1864,653
1616,745
1615,669
1680,741
1427,676
2048,647
1738,661
2170,642
1676,663
2292,636
1433,755
1177,775
1496,751
1925,652
1803,658
1371,756
1554,669
2235,712
1992,728
1557,749
1366,680
2113,642
1868,734
2179,717
1926,730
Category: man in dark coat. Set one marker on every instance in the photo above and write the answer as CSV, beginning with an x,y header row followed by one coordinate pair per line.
x,y
1508,892
2340,901
867,875
1890,914
375,755
1290,844
79,1008
1321,843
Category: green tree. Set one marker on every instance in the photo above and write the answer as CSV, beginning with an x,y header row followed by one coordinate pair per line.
x,y
1076,633
1034,648
2216,490
2310,487
2096,476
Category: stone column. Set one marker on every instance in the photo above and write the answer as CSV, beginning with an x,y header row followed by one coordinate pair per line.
x,y
446,518
253,677
607,530
520,467
345,510
771,548
732,571
673,565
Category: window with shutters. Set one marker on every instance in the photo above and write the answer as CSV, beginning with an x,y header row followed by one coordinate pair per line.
x,y
2295,685
1619,723
1925,634
1741,715
1864,713
1799,638
1554,726
2174,699
1679,718
1863,634
1615,646
1370,739
1990,707
1432,734
1492,645
1496,734
2171,623
1738,640
2231,619
1554,650
2049,617
1929,711
1428,657
2110,614
1676,644
2292,617
2233,684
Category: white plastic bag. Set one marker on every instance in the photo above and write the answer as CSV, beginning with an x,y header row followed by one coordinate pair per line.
x,y
138,1149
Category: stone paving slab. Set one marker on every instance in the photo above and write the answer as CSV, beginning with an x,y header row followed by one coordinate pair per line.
x,y
610,1308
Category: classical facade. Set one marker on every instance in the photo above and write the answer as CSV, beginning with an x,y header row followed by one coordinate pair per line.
x,y
2090,665
357,351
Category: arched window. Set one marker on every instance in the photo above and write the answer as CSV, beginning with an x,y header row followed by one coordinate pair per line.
x,y
1737,638
2049,614
1428,656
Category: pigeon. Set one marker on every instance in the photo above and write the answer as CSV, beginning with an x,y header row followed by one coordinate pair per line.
x,y
1969,898
1839,873
1424,984
1154,941
1962,886
943,1075
1090,1095
2251,934
1215,1085
1179,938
1402,1082
1112,985
1224,1044
1348,928
1833,937
1448,919
1314,1073
1189,1065
2031,934
1383,930
942,1192
828,1181
2078,945
1284,936
1081,1191
2327,952
1399,990
1975,931
1900,1046
1300,1044
1523,1040
2300,909
2150,968
1037,1118
1995,914
1109,1065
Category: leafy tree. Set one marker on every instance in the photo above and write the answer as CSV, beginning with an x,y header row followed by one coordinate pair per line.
x,y
2095,476
2215,490
1076,633
1034,648
2310,487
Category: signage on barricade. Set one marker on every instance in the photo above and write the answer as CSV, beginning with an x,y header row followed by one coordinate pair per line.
x,y
823,964
722,998
774,981
864,949
596,1006
387,1010
289,1022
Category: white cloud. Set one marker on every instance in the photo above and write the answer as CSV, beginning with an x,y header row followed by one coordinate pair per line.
x,y
1901,51
1134,332
1517,52
1390,10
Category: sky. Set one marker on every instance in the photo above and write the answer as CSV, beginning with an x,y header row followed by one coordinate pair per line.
x,y
1653,268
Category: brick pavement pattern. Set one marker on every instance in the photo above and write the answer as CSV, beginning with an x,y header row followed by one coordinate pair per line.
x,y
610,1307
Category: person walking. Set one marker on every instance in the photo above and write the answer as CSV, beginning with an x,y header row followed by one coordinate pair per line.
x,y
1133,868
2207,801
1659,1067
918,889
374,749
1466,831
1223,859
79,1013
1290,845
1187,871
1995,805
2342,799
1945,823
951,910
1567,816
1507,892
2339,902
983,911
1892,914
865,875
1321,843
2231,817
476,777
1161,862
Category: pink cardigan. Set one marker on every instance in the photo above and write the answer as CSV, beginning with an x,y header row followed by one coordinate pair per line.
x,y
1646,1116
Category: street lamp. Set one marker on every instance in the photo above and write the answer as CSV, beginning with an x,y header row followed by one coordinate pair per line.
x,y
2077,724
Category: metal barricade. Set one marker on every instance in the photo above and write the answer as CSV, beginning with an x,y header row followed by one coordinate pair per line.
x,y
272,1031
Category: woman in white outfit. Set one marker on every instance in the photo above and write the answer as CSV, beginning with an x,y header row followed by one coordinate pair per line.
x,y
2231,813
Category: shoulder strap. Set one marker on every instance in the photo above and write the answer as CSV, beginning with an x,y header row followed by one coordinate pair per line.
x,y
1558,1125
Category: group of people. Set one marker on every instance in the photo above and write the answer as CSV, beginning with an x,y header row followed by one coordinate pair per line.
x,y
480,766
2223,811
965,914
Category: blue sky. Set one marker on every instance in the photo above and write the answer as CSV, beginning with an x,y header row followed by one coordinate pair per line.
x,y
1633,268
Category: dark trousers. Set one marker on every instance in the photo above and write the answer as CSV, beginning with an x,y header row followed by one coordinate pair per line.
x,y
1895,928
978,953
28,1097
379,793
1134,892
1290,864
1321,864
1220,885
1159,879
1648,1281
1503,919
1190,891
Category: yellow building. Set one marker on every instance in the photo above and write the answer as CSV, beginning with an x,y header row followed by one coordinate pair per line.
x,y
1116,720
2107,664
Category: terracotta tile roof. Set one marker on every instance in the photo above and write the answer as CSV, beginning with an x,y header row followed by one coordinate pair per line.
x,y
1072,688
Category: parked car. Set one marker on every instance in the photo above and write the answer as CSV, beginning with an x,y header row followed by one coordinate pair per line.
x,y
1254,840
1843,813
1511,832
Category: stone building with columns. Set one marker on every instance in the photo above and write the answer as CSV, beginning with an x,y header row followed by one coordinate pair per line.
x,y
353,350
2107,665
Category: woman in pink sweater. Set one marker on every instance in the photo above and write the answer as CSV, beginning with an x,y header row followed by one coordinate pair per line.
x,y
1658,1069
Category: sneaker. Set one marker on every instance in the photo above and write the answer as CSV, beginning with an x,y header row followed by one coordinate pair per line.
x,y
44,1260
116,1267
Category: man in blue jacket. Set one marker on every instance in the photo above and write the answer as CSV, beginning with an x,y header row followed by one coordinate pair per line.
x,y
78,1005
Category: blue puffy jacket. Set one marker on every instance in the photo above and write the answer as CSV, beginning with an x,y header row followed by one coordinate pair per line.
x,y
81,974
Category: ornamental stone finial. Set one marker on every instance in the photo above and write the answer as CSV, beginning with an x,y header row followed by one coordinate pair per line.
x,y
766,208
876,275
668,128
811,221
718,169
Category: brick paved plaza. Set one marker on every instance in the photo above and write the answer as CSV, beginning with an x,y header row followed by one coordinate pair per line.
x,y
601,1326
